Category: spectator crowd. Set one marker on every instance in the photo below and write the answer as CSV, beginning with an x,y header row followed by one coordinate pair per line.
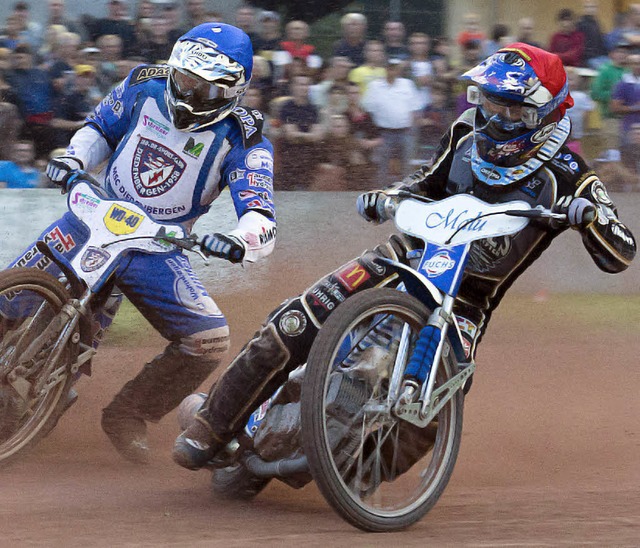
x,y
360,117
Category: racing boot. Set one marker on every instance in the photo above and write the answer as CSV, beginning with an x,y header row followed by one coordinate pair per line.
x,y
197,445
155,391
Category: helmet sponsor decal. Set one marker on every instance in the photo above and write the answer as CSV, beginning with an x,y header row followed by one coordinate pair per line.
x,y
543,134
259,158
148,72
293,323
155,169
93,258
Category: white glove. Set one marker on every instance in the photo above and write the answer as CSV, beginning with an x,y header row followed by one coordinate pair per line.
x,y
580,212
59,169
223,246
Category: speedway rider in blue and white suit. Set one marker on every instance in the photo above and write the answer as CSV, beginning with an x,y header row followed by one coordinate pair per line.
x,y
175,137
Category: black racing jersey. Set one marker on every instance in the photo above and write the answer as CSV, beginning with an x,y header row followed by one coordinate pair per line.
x,y
495,263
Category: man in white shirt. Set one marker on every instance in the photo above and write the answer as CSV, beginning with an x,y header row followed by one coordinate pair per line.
x,y
393,103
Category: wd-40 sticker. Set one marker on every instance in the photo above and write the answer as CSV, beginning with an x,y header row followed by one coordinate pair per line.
x,y
120,220
155,169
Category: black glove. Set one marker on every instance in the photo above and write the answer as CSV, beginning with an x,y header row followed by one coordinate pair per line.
x,y
59,169
226,247
370,205
580,212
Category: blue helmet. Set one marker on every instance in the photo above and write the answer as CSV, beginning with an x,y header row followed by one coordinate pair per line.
x,y
209,71
521,94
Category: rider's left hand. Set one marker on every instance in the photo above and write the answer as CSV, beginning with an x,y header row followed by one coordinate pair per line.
x,y
580,213
224,246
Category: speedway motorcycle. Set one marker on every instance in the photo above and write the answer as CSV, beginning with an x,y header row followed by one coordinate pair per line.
x,y
375,415
48,327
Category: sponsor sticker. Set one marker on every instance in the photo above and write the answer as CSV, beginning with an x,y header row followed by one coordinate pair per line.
x,y
156,169
352,275
438,264
120,220
259,158
93,258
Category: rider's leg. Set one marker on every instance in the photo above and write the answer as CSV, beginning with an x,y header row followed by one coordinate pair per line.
x,y
178,306
278,348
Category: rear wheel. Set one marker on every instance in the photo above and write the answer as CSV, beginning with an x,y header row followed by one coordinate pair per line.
x,y
379,472
34,371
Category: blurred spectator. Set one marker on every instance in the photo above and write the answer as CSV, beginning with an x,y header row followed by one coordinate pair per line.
x,y
245,19
46,53
500,37
393,103
337,73
57,16
64,57
568,42
19,170
269,35
354,32
608,76
470,29
295,41
10,120
336,103
33,92
630,157
595,49
629,29
116,23
625,99
262,78
420,65
110,46
526,32
300,135
433,122
342,165
142,21
471,56
618,176
443,69
195,13
71,108
394,35
374,66
366,133
10,38
173,14
156,45
30,32
582,105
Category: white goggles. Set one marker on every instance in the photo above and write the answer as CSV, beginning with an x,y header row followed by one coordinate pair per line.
x,y
494,105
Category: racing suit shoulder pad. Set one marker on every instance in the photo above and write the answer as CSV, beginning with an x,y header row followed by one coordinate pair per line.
x,y
251,122
143,73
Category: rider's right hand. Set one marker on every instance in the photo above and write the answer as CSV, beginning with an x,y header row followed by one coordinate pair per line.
x,y
370,206
60,168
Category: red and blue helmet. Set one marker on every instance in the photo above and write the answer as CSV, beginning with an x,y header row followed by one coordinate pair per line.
x,y
521,93
209,71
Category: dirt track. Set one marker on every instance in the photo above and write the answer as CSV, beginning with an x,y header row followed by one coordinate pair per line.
x,y
549,457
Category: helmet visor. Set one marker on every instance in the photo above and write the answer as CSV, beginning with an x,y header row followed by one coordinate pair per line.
x,y
512,114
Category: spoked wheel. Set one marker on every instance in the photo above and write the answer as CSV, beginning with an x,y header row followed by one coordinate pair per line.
x,y
34,371
378,472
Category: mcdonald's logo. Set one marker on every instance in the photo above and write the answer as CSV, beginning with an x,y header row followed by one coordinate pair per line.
x,y
352,275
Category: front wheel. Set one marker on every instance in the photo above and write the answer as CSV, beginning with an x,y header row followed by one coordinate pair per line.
x,y
34,367
378,472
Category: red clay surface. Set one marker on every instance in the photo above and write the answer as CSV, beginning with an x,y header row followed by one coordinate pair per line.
x,y
549,457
